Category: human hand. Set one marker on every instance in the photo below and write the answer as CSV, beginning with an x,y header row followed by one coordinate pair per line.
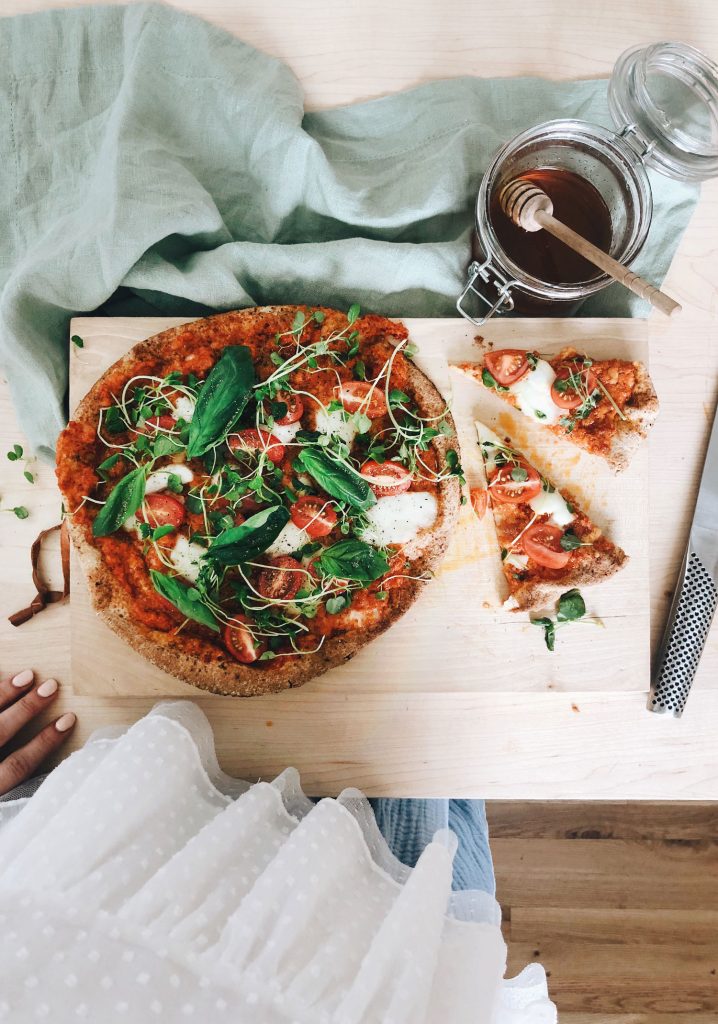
x,y
20,702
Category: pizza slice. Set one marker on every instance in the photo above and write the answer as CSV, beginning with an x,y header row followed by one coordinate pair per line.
x,y
606,406
548,544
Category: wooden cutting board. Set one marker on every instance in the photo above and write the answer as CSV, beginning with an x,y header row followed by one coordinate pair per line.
x,y
456,638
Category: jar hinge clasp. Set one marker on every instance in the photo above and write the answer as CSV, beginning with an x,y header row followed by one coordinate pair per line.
x,y
638,142
484,271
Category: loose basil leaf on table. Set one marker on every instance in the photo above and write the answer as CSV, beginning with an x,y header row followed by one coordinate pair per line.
x,y
336,479
571,606
353,560
254,536
222,399
123,501
179,595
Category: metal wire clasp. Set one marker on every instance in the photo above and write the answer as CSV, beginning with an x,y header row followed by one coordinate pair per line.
x,y
490,276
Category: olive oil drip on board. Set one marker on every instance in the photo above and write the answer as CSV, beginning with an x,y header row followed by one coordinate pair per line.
x,y
578,204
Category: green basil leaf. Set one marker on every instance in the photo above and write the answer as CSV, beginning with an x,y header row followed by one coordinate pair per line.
x,y
569,541
222,399
353,560
337,479
251,538
179,595
162,531
571,606
549,631
123,501
489,381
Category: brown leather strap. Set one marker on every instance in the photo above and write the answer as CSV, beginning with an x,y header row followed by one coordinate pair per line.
x,y
44,595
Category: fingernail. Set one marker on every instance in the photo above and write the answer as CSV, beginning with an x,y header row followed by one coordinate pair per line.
x,y
23,678
48,688
66,722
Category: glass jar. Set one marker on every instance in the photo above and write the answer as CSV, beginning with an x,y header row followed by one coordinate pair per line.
x,y
664,101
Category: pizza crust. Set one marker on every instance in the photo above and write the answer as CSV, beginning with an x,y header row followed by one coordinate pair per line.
x,y
224,675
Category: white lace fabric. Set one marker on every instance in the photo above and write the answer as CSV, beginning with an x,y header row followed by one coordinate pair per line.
x,y
141,883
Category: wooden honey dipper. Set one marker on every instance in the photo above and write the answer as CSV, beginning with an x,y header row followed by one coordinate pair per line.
x,y
531,209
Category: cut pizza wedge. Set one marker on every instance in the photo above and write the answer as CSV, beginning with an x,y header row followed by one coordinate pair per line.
x,y
548,544
606,406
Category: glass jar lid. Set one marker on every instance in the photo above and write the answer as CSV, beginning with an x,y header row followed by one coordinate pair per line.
x,y
664,100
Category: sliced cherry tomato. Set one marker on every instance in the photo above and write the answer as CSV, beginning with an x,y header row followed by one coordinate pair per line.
x,y
386,478
283,580
542,543
507,366
294,404
314,514
353,396
254,440
240,643
505,489
584,382
154,423
162,510
479,500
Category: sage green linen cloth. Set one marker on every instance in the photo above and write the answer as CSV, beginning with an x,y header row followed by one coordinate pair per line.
x,y
153,163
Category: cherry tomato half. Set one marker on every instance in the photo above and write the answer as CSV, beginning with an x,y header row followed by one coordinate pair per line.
x,y
386,478
354,396
153,424
583,383
314,514
294,404
240,643
479,500
255,442
542,543
161,510
505,489
507,366
282,581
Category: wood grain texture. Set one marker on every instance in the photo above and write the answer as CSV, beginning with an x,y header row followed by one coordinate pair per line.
x,y
363,48
626,929
449,641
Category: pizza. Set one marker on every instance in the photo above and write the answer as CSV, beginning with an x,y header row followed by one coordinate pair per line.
x,y
548,544
606,406
257,495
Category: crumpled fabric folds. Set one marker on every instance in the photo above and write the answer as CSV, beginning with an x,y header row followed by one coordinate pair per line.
x,y
141,883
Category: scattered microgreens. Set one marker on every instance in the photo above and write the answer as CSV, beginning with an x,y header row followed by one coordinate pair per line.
x,y
77,341
16,454
19,511
490,381
571,608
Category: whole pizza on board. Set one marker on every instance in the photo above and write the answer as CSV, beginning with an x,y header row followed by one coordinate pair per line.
x,y
257,495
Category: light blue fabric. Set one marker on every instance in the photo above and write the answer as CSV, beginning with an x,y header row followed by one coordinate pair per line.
x,y
408,825
153,163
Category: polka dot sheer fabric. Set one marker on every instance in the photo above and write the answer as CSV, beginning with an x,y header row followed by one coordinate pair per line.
x,y
141,883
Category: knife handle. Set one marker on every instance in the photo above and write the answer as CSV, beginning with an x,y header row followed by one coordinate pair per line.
x,y
692,610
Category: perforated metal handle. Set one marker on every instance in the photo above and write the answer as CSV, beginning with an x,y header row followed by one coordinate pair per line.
x,y
689,620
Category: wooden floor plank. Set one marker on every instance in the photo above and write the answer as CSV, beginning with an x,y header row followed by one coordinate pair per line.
x,y
602,977
569,819
612,926
609,872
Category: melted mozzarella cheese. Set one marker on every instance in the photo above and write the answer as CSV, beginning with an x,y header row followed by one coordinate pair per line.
x,y
184,408
533,393
160,479
285,433
398,518
552,505
187,558
334,423
490,442
131,524
290,539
